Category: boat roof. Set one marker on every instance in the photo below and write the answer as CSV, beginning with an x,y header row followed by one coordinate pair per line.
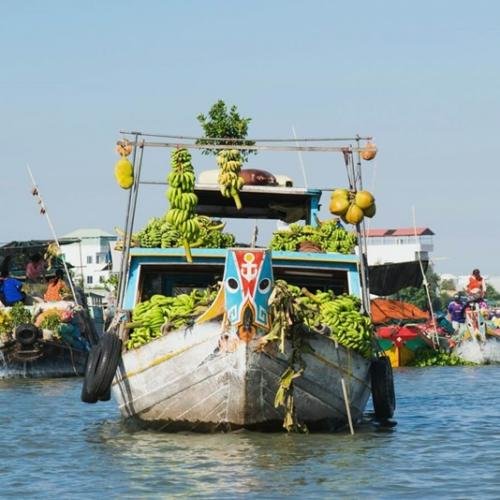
x,y
259,202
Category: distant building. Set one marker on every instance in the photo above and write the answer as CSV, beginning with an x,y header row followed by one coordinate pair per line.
x,y
90,256
398,245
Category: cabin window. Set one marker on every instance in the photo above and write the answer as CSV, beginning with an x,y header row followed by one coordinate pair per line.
x,y
89,259
171,281
89,280
318,279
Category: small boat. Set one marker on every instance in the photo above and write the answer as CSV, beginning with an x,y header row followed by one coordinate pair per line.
x,y
403,330
241,350
478,341
41,339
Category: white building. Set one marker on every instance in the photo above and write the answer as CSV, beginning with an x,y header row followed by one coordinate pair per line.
x,y
386,246
90,256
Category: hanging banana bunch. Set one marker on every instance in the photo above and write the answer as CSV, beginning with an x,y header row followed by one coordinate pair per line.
x,y
230,182
182,199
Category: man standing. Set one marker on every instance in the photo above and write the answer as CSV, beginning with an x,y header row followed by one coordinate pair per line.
x,y
456,310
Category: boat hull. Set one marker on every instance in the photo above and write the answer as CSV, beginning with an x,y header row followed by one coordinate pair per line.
x,y
43,360
190,380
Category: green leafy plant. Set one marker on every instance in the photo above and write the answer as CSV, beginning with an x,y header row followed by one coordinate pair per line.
x,y
51,322
20,314
221,123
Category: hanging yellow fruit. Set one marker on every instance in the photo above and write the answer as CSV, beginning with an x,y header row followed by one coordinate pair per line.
x,y
370,211
369,151
338,205
124,173
364,199
354,214
343,193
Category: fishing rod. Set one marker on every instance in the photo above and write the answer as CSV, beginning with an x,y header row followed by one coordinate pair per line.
x,y
43,211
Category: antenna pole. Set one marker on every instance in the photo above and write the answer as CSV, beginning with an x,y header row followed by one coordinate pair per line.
x,y
435,340
43,210
301,160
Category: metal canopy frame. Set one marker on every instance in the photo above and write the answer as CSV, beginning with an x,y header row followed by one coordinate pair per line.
x,y
353,167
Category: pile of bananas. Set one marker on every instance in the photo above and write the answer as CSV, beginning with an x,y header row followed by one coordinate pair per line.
x,y
182,199
159,233
329,236
212,235
352,206
334,238
160,314
348,326
230,182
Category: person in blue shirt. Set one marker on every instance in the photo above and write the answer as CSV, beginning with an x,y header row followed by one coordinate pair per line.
x,y
456,310
10,289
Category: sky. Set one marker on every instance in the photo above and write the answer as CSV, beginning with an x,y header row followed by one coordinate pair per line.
x,y
422,78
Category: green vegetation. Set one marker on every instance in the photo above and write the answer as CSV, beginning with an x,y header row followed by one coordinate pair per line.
x,y
431,357
223,124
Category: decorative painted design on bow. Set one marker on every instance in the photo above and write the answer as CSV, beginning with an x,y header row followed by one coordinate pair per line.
x,y
248,281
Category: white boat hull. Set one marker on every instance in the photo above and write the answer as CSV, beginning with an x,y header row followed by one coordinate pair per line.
x,y
188,381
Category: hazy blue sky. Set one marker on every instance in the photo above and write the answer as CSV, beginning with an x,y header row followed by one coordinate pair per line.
x,y
422,77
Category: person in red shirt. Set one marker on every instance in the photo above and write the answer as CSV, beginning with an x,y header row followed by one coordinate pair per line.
x,y
476,286
35,269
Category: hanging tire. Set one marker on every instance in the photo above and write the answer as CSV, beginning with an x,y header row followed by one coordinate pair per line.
x,y
27,334
87,395
111,351
101,367
383,396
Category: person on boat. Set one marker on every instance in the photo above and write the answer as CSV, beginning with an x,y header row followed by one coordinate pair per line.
x,y
56,288
456,311
10,289
35,268
476,286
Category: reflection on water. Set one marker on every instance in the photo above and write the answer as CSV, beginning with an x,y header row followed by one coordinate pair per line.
x,y
445,445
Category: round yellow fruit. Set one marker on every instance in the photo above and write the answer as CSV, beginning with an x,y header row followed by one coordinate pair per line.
x,y
342,193
364,199
124,173
338,205
370,211
354,214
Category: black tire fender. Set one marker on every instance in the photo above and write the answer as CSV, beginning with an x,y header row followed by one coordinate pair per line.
x,y
27,334
90,396
101,368
383,395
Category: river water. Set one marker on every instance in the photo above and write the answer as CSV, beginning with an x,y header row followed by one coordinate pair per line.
x,y
446,445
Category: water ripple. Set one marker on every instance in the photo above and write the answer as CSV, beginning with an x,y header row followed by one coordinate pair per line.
x,y
444,446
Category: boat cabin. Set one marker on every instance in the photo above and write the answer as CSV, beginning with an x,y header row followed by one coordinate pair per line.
x,y
165,271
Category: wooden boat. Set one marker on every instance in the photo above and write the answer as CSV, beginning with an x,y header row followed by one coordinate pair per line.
x,y
28,348
222,371
402,329
479,339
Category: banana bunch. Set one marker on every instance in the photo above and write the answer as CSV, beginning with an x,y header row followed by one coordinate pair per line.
x,y
182,199
160,314
341,314
352,206
212,235
330,236
349,326
335,238
230,182
160,233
